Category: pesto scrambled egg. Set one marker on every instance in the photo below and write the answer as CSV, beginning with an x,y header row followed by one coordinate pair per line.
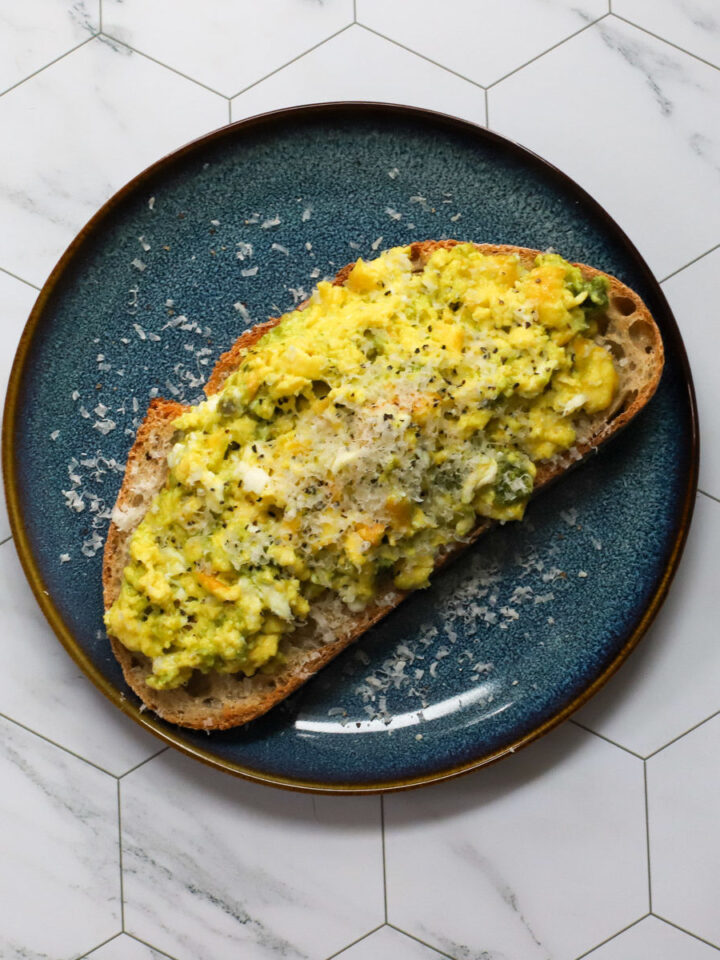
x,y
355,441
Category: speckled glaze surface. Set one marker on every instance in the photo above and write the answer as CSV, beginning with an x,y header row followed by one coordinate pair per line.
x,y
507,641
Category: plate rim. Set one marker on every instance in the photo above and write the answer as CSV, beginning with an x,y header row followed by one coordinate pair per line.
x,y
351,109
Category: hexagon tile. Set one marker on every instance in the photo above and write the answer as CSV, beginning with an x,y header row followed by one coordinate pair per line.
x,y
499,45
34,34
41,687
653,939
124,947
644,706
683,790
691,293
660,146
223,868
59,870
542,856
391,944
338,71
75,133
226,44
693,25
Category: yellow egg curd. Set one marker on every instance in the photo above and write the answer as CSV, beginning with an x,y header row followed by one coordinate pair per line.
x,y
355,441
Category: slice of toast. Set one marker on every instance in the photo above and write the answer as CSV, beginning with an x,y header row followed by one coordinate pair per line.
x,y
218,701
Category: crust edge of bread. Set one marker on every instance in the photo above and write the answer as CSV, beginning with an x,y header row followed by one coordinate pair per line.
x,y
210,708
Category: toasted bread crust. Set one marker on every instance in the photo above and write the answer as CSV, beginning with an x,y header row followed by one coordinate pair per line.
x,y
220,701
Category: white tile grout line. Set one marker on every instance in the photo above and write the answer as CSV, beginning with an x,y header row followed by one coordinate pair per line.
x,y
54,743
151,946
7,538
689,263
422,56
354,11
487,110
605,16
21,279
710,496
647,834
109,39
294,60
653,753
384,861
347,946
50,64
121,776
608,939
695,936
630,23
549,50
700,723
412,936
120,859
98,945
602,736
100,16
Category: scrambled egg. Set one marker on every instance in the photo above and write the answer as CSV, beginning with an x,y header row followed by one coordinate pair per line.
x,y
356,440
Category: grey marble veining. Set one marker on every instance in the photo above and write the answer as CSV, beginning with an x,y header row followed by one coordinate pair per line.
x,y
692,25
85,14
632,119
504,35
493,838
225,45
60,850
34,34
497,881
100,115
225,863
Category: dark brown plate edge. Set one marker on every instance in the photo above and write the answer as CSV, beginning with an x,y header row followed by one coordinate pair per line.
x,y
349,109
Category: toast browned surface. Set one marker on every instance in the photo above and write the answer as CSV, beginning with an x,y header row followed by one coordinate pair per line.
x,y
218,701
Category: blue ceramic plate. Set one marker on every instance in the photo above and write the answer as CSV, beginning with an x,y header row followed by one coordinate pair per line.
x,y
509,640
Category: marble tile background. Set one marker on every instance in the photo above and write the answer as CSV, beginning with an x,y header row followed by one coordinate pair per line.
x,y
602,840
